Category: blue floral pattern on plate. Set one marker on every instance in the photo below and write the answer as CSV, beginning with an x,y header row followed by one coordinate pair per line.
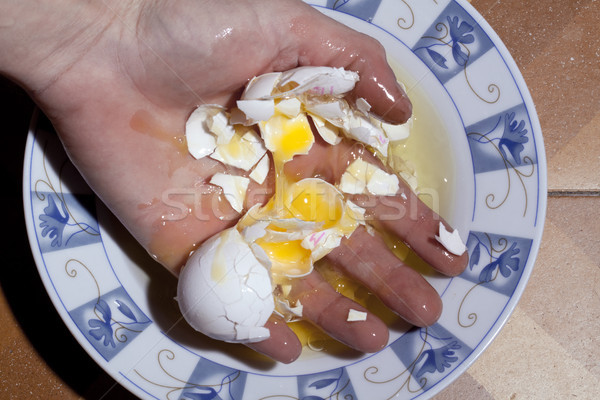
x,y
110,322
453,41
67,220
363,9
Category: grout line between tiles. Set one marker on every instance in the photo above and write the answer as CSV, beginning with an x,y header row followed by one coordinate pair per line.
x,y
574,193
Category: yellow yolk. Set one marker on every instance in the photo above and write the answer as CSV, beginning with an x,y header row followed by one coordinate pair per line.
x,y
286,137
289,258
309,200
315,200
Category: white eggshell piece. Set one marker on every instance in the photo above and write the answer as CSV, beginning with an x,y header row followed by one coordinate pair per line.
x,y
200,141
255,231
255,281
234,188
410,179
261,255
261,170
219,125
394,132
451,241
319,80
293,234
244,154
321,243
295,224
249,334
326,130
257,110
216,300
287,311
362,177
335,112
358,211
260,87
355,315
383,184
360,129
289,107
351,184
363,105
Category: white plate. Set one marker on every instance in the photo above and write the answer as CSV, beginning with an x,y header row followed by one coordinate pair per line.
x,y
120,306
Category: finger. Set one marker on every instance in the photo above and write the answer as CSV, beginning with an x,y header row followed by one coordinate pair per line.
x,y
415,224
378,85
323,41
283,344
327,162
328,309
404,215
367,259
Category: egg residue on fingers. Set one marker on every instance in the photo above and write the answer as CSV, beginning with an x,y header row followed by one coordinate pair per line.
x,y
234,281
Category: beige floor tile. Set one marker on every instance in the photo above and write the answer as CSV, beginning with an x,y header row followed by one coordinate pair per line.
x,y
465,388
555,45
576,166
562,296
524,362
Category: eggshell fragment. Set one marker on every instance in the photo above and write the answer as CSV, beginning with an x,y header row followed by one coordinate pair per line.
x,y
287,311
261,170
335,111
360,129
234,188
326,130
257,110
382,183
318,80
219,125
362,177
355,125
255,231
451,241
359,212
221,285
394,132
363,105
322,242
260,87
355,315
352,184
200,141
289,107
241,151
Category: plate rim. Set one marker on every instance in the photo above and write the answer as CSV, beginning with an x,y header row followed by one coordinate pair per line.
x,y
487,339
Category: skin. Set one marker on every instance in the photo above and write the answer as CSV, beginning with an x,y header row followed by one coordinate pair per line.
x,y
118,80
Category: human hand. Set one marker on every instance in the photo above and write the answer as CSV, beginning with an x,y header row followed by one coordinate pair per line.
x,y
119,79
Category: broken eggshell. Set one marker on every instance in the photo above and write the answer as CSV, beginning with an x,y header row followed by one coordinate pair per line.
x,y
451,240
225,292
200,141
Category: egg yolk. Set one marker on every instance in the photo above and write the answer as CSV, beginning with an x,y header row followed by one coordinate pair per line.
x,y
289,257
310,200
315,200
286,137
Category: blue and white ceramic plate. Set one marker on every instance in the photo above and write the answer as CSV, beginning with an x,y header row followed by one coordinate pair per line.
x,y
120,307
